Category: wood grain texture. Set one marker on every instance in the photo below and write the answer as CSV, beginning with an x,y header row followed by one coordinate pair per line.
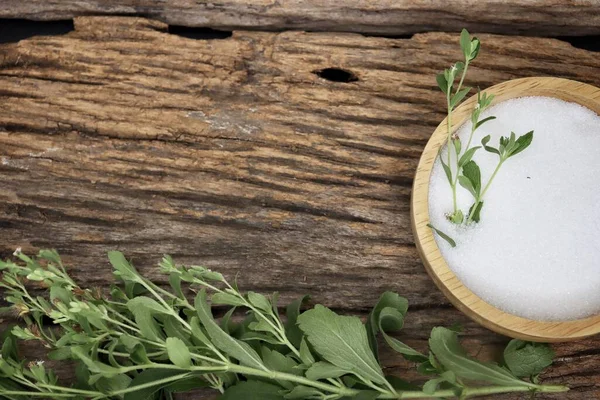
x,y
235,154
378,17
463,298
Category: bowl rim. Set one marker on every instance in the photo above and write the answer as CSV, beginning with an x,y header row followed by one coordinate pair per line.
x,y
437,268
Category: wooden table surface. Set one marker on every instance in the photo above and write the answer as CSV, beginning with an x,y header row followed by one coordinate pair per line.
x,y
286,157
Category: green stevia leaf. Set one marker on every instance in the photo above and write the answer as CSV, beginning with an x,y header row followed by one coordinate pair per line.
x,y
407,352
526,359
276,361
252,390
122,267
143,302
160,378
459,96
467,156
178,352
324,370
483,121
387,299
143,309
475,47
485,140
457,217
60,293
303,393
233,347
226,299
477,214
305,354
138,355
175,282
522,143
457,145
459,67
490,149
472,172
466,183
261,326
342,341
442,83
446,348
431,385
446,170
259,301
443,235
172,328
226,323
94,366
112,384
197,331
292,330
465,43
9,344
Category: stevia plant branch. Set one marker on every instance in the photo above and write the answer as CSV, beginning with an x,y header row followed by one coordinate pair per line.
x,y
460,167
145,342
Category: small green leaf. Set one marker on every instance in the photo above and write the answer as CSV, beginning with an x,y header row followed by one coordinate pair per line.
x,y
446,170
475,47
466,183
259,301
472,172
483,121
431,385
443,235
485,140
324,370
178,352
387,299
233,347
341,340
175,282
227,299
458,96
252,390
467,156
522,143
292,330
457,145
526,359
465,43
276,361
444,344
305,354
476,216
442,83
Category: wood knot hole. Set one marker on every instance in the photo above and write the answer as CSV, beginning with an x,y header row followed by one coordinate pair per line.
x,y
336,75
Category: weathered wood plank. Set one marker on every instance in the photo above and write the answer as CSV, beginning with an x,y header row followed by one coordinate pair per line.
x,y
235,154
380,17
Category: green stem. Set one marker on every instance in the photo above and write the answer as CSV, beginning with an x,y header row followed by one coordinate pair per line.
x,y
275,375
479,391
156,383
69,390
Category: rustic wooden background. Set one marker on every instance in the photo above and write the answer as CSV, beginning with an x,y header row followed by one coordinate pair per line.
x,y
285,156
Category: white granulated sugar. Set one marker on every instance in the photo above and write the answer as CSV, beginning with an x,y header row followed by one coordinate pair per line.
x,y
536,251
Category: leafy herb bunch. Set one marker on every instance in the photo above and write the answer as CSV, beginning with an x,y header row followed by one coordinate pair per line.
x,y
142,341
457,162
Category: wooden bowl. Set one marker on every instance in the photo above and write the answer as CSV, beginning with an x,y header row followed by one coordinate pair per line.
x,y
463,298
